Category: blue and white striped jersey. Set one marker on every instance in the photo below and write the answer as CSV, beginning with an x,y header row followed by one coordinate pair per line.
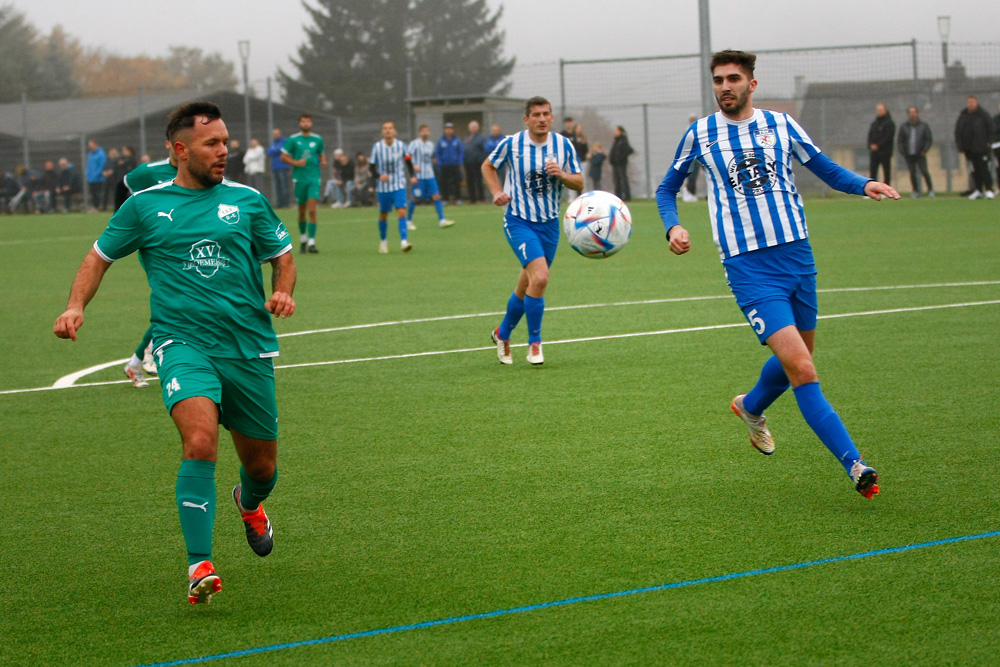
x,y
390,160
753,202
534,195
422,152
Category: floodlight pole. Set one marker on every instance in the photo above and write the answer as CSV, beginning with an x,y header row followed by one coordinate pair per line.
x,y
244,45
705,33
944,29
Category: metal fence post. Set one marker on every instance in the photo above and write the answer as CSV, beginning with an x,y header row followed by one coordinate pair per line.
x,y
26,149
142,123
645,141
83,172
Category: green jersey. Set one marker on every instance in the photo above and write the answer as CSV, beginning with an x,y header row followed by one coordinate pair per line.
x,y
202,251
310,147
150,174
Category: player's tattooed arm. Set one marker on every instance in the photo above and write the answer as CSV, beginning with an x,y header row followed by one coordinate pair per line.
x,y
283,276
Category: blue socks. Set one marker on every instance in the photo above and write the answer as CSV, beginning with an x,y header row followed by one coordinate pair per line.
x,y
402,229
515,310
772,383
822,419
534,308
383,229
439,207
409,209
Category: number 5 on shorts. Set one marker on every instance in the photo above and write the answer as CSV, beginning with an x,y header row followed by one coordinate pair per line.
x,y
756,322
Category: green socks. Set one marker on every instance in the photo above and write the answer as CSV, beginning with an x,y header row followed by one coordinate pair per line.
x,y
312,230
253,493
196,507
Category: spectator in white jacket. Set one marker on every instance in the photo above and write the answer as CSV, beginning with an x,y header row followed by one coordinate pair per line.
x,y
253,164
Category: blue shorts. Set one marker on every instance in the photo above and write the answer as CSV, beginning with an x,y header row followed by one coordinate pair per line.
x,y
775,287
425,188
390,200
531,240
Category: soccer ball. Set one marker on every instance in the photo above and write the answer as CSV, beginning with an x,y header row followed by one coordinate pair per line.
x,y
597,224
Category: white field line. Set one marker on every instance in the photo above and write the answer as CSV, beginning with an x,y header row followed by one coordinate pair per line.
x,y
445,318
661,332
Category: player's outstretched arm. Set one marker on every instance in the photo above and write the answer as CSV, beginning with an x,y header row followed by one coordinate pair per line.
x,y
876,190
283,276
88,279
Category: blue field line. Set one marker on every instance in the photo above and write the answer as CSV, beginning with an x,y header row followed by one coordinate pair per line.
x,y
569,601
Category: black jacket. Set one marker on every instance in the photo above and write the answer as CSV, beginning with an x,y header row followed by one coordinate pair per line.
x,y
974,131
882,132
924,138
620,150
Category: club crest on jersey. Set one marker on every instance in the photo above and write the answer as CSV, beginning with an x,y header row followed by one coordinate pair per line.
x,y
536,182
206,258
765,138
751,174
229,214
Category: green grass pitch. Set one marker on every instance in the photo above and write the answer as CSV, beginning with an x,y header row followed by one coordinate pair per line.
x,y
422,487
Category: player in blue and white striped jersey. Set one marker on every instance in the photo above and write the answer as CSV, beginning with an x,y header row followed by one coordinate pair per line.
x,y
391,161
759,226
424,184
540,163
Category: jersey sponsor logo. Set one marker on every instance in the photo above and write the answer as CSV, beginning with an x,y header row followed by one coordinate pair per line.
x,y
280,232
751,174
536,182
206,258
765,138
161,214
229,214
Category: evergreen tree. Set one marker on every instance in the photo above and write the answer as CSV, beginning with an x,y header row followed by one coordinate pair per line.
x,y
458,49
354,60
18,62
57,54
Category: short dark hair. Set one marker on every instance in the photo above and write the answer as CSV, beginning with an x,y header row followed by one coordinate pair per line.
x,y
305,115
568,119
745,60
536,101
182,118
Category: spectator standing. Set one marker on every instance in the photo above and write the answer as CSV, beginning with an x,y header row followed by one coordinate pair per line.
x,y
69,184
996,145
492,141
253,164
279,170
109,178
97,159
124,163
449,154
620,151
234,162
46,195
582,147
881,134
596,168
974,137
689,192
364,180
913,142
475,154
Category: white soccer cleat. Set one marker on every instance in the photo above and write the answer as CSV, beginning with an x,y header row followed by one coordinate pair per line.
x,y
760,436
535,355
976,195
989,194
688,197
410,225
405,246
445,222
148,362
137,376
503,348
383,248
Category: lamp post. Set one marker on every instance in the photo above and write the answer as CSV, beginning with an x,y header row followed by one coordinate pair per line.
x,y
244,45
944,29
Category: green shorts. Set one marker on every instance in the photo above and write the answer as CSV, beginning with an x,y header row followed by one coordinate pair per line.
x,y
242,388
306,190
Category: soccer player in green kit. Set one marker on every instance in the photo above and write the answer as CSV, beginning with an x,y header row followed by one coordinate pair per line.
x,y
304,151
202,241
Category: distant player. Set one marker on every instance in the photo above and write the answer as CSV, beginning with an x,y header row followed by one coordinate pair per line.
x,y
304,151
391,161
146,176
759,226
539,164
202,241
424,185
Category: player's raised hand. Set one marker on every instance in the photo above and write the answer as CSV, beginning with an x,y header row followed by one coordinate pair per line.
x,y
680,241
876,190
68,323
281,304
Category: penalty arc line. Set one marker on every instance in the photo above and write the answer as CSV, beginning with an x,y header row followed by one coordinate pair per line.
x,y
63,384
574,600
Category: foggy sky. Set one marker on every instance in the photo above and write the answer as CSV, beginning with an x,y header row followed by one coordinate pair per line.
x,y
537,30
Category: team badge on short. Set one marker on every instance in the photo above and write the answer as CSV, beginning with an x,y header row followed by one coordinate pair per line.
x,y
765,138
229,214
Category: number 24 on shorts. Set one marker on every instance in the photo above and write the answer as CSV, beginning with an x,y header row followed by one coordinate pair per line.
x,y
172,386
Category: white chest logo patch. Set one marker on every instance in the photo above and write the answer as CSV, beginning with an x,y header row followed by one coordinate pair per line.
x,y
765,138
229,214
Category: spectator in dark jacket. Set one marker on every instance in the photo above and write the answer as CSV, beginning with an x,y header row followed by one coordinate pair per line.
x,y
620,150
449,153
913,142
474,156
234,162
974,137
48,184
881,134
996,145
69,184
596,169
123,165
